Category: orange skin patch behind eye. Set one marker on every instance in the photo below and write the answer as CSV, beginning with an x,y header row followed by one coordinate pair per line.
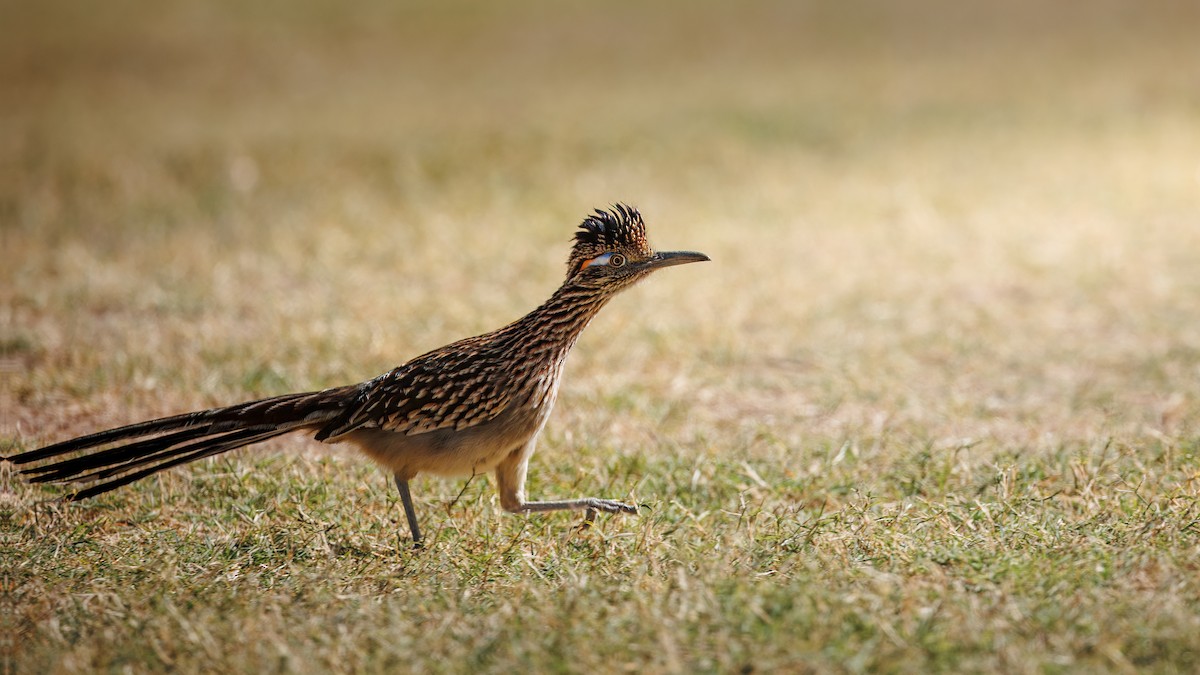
x,y
589,263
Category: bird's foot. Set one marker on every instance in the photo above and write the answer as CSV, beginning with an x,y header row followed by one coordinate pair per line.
x,y
609,506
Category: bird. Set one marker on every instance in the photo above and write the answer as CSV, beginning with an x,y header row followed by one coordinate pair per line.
x,y
471,407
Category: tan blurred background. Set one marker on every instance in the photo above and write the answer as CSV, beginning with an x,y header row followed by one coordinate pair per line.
x,y
987,211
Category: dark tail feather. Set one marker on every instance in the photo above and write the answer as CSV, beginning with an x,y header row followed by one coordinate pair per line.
x,y
182,455
112,435
69,467
171,441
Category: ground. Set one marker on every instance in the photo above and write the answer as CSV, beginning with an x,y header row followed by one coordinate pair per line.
x,y
934,405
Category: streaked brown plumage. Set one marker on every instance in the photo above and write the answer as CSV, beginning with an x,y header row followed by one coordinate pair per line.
x,y
473,406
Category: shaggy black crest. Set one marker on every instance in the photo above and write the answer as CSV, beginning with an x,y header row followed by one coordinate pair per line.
x,y
619,227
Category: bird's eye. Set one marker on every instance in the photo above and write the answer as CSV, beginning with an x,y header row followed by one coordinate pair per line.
x,y
610,259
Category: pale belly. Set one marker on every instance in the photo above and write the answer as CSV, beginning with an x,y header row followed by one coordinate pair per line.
x,y
449,452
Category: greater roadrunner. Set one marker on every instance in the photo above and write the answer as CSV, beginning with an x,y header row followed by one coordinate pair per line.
x,y
473,406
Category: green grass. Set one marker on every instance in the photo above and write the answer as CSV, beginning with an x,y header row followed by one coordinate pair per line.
x,y
935,405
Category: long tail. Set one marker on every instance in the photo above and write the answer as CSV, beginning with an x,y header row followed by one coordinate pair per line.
x,y
161,444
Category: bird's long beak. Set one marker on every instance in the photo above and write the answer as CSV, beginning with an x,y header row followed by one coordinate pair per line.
x,y
672,258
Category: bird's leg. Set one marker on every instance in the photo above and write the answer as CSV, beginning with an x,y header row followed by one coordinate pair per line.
x,y
510,481
589,504
409,512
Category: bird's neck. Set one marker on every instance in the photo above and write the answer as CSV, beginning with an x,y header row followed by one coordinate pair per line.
x,y
553,328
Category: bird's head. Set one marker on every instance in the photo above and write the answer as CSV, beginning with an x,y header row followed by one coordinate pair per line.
x,y
611,250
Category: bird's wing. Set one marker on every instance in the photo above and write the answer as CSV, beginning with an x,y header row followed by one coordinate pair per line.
x,y
440,390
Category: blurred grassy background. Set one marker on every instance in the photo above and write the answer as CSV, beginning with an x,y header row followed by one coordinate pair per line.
x,y
933,406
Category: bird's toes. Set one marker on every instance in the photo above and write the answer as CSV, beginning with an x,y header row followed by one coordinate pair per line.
x,y
613,506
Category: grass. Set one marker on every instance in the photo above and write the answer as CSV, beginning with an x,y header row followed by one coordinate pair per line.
x,y
933,407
